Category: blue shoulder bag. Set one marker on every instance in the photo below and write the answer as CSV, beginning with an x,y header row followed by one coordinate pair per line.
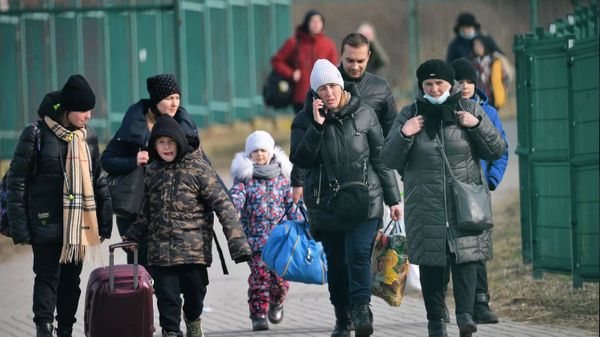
x,y
293,254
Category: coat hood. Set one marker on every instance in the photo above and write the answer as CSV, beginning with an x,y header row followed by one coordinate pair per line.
x,y
481,97
166,126
242,167
48,106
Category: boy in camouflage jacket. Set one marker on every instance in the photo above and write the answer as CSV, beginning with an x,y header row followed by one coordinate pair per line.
x,y
181,192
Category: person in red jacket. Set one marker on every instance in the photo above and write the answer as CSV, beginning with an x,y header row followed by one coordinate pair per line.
x,y
312,46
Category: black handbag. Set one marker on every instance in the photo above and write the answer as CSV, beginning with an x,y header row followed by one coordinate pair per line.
x,y
350,202
279,91
473,202
127,192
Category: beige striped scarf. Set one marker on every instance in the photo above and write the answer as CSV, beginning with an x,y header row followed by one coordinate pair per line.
x,y
80,225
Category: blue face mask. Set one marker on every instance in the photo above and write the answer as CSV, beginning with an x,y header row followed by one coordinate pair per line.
x,y
439,100
470,36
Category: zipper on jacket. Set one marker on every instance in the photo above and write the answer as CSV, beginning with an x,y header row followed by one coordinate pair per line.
x,y
448,231
365,171
320,181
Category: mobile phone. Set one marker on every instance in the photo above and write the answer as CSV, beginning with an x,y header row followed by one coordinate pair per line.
x,y
321,111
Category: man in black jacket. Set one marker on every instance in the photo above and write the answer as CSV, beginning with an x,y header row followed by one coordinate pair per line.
x,y
374,91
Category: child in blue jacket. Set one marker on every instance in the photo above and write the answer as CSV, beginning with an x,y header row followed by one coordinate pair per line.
x,y
494,172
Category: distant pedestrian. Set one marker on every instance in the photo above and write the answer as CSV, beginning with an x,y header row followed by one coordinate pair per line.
x,y
338,140
466,29
494,71
441,120
378,58
59,202
311,45
494,172
261,193
181,193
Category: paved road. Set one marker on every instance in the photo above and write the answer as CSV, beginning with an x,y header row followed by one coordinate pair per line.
x,y
307,309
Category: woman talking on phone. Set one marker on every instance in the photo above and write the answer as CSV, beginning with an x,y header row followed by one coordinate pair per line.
x,y
338,140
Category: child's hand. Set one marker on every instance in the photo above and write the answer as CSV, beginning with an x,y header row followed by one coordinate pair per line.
x,y
132,247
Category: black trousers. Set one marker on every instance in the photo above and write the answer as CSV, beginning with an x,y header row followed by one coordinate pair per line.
x,y
169,283
56,286
123,225
434,282
482,279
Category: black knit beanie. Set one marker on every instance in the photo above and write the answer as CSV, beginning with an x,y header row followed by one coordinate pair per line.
x,y
166,126
464,70
435,69
162,86
466,20
77,95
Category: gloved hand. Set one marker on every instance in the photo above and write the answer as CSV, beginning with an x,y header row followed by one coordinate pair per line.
x,y
492,183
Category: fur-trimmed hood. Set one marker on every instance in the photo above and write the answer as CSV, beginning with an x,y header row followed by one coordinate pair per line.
x,y
242,167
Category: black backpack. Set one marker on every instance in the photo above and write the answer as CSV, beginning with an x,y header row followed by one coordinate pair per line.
x,y
278,91
4,225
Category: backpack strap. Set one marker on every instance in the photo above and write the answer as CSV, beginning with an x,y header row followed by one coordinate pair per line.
x,y
37,136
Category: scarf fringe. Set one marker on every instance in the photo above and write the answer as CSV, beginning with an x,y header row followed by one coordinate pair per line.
x,y
78,253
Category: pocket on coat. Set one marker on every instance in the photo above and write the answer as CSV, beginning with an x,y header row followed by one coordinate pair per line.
x,y
45,205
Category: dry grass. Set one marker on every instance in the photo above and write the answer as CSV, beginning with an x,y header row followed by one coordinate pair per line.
x,y
517,296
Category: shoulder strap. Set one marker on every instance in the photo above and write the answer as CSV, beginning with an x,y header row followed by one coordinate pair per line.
x,y
447,162
296,57
443,153
37,136
328,167
221,255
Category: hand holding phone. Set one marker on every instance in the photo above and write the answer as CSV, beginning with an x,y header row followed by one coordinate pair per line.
x,y
318,108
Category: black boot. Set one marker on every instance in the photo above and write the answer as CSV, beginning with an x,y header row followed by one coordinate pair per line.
x,y
466,325
482,314
259,323
64,331
437,328
342,322
275,313
363,319
44,329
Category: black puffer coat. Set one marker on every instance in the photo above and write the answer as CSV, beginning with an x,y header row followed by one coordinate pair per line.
x,y
120,155
430,214
35,209
375,92
353,138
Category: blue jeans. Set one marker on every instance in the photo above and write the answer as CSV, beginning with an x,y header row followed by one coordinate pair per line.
x,y
349,262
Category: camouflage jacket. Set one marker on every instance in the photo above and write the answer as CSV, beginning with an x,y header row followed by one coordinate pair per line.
x,y
177,214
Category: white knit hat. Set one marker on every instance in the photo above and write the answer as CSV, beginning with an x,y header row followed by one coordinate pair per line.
x,y
324,72
260,140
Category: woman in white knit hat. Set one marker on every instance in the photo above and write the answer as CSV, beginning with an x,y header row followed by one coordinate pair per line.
x,y
338,140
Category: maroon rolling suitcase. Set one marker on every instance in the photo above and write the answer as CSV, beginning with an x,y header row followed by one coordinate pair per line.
x,y
118,301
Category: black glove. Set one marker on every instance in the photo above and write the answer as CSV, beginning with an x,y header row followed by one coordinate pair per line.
x,y
492,183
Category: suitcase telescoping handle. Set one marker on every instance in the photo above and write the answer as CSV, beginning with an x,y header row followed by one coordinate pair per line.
x,y
111,267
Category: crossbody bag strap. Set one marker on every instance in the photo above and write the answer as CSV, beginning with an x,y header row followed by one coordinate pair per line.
x,y
328,166
297,57
447,162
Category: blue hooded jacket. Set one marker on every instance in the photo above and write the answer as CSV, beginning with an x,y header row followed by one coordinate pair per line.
x,y
494,171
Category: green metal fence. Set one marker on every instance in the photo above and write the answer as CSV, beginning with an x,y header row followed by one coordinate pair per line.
x,y
219,51
558,107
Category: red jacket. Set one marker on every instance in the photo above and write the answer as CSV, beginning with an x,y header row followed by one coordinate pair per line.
x,y
311,49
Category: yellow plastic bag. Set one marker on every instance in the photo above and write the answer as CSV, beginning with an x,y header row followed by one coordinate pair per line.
x,y
389,265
